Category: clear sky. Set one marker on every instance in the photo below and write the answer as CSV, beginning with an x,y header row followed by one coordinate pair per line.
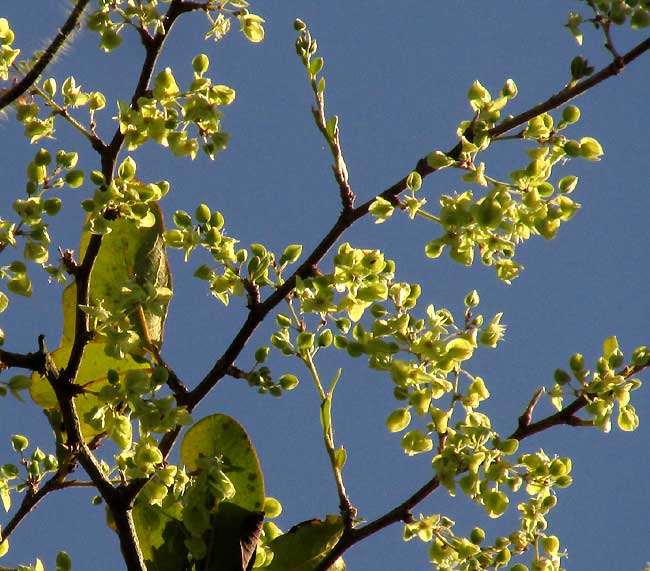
x,y
397,75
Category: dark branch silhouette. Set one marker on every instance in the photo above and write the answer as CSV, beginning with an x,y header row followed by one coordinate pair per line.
x,y
20,88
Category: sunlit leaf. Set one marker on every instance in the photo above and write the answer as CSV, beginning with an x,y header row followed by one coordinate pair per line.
x,y
127,254
306,544
222,436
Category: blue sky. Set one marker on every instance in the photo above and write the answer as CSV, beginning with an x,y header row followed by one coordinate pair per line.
x,y
397,75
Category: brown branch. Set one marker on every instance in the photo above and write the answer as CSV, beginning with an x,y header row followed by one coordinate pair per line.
x,y
402,513
31,361
82,334
565,416
338,168
349,217
153,47
560,98
122,511
30,78
527,415
32,499
39,361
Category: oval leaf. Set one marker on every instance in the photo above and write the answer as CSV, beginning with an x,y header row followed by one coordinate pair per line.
x,y
222,436
128,253
306,544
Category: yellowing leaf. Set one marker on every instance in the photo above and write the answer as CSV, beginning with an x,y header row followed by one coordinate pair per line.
x,y
459,349
609,346
306,544
128,254
221,436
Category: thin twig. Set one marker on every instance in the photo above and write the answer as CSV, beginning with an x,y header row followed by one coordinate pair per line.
x,y
31,500
32,75
527,416
402,512
564,416
568,414
334,142
348,217
554,101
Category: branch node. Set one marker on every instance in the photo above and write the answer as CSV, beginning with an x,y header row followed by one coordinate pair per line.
x,y
69,263
574,420
235,372
252,294
408,517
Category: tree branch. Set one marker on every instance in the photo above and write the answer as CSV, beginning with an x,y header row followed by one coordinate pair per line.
x,y
153,47
402,513
564,416
31,500
572,91
567,415
560,98
31,361
28,80
119,499
349,217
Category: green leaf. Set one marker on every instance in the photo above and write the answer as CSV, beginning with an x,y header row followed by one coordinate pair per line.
x,y
233,537
306,544
290,254
459,349
19,442
590,149
414,181
627,419
438,160
398,420
63,561
381,209
609,346
168,552
316,65
340,457
222,436
640,19
251,26
5,496
4,302
128,253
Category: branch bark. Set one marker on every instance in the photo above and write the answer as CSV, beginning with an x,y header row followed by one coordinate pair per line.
x,y
31,500
30,78
119,499
526,428
349,216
